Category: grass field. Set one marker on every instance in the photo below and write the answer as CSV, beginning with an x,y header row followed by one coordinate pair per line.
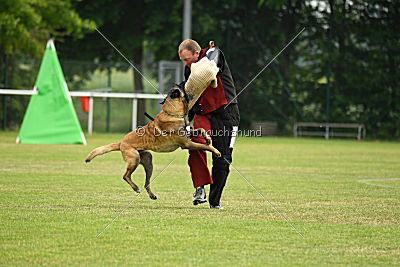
x,y
342,195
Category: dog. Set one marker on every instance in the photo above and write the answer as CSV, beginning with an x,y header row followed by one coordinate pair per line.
x,y
166,133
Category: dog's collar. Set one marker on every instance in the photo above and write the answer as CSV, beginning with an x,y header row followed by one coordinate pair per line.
x,y
175,115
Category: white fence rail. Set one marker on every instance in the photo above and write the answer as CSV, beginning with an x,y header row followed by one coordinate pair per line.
x,y
91,95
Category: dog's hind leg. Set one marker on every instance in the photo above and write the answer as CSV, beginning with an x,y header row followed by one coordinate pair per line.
x,y
132,159
146,159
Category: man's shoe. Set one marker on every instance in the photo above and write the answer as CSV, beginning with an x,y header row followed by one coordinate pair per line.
x,y
218,207
199,196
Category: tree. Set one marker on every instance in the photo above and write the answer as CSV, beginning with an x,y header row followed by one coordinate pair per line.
x,y
26,26
124,24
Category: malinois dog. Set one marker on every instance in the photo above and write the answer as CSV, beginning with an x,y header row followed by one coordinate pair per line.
x,y
166,133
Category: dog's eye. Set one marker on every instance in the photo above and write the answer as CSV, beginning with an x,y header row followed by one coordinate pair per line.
x,y
175,94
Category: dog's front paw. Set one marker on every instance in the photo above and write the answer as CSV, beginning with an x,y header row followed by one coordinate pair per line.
x,y
154,197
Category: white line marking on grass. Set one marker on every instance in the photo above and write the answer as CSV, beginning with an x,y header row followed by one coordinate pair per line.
x,y
368,182
136,197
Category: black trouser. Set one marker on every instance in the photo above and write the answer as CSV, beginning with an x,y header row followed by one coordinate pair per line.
x,y
222,123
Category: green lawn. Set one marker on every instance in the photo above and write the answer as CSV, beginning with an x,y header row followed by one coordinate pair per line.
x,y
342,195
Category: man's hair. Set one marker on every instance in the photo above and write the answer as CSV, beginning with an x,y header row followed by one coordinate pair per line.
x,y
190,45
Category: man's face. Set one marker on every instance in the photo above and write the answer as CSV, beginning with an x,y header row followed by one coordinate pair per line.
x,y
188,57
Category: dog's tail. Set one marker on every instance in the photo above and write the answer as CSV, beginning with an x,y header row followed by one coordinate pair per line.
x,y
102,150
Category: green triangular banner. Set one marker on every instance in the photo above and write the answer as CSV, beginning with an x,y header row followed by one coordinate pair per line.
x,y
50,117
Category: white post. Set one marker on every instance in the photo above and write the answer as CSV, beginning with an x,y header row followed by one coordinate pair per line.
x,y
326,131
90,118
134,114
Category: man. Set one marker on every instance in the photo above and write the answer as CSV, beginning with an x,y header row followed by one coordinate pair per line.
x,y
219,119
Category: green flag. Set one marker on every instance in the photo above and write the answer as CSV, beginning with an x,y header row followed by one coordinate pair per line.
x,y
50,117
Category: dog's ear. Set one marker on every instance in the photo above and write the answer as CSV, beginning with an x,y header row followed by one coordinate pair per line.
x,y
175,93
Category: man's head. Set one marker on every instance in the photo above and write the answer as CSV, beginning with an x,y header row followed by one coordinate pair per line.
x,y
189,51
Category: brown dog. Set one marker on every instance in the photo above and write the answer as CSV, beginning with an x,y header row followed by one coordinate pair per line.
x,y
165,134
